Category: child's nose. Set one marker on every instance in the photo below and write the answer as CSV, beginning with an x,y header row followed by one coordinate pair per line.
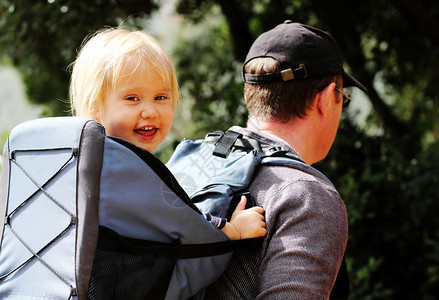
x,y
149,112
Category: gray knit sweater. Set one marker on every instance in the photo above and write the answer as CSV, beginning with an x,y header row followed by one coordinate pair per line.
x,y
307,231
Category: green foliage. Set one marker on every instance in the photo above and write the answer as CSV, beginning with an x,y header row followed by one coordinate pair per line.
x,y
41,38
391,202
208,75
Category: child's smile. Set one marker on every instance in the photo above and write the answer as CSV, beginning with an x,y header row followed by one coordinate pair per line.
x,y
146,132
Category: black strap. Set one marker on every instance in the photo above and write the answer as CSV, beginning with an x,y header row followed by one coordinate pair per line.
x,y
211,249
284,75
110,238
225,143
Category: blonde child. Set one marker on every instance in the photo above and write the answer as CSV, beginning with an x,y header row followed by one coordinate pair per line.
x,y
126,81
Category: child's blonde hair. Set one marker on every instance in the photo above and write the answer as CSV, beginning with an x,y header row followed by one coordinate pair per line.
x,y
100,62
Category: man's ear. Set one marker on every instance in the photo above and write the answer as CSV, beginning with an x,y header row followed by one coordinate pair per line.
x,y
323,99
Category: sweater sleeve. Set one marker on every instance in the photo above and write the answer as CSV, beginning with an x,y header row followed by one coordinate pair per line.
x,y
306,240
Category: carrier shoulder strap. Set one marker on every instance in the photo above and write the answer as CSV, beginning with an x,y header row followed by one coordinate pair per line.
x,y
225,143
230,140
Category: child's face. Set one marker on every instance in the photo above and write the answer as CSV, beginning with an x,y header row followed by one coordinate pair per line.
x,y
139,109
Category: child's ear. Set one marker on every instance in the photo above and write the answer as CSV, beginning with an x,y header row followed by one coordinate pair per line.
x,y
324,99
96,116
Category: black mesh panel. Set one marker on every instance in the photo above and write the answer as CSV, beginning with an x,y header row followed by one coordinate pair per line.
x,y
130,269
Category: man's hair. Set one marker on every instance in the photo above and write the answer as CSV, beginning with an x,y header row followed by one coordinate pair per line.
x,y
281,101
100,62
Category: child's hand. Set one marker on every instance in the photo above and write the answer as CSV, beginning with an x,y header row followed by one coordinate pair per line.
x,y
246,223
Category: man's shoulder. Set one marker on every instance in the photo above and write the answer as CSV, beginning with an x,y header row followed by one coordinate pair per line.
x,y
284,188
291,173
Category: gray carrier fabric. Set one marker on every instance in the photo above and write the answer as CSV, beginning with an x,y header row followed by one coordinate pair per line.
x,y
62,180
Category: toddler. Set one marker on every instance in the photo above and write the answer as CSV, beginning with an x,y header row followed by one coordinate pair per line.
x,y
126,81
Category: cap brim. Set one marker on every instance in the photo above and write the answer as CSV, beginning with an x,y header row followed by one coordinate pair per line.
x,y
348,80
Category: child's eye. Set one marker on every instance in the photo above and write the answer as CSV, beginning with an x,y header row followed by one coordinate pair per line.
x,y
161,97
132,98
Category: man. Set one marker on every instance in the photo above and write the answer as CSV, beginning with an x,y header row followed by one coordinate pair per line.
x,y
294,82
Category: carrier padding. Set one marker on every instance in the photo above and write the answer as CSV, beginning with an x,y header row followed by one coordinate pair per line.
x,y
40,236
88,182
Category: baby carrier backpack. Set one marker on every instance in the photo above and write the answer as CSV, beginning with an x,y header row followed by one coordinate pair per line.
x,y
216,170
87,216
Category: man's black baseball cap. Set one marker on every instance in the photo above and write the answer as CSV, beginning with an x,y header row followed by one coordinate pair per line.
x,y
302,52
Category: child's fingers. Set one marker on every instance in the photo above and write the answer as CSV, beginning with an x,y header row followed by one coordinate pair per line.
x,y
262,232
259,219
257,209
242,203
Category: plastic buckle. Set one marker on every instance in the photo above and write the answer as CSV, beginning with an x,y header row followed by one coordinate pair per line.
x,y
276,151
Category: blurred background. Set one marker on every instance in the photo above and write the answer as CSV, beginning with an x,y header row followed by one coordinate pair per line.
x,y
385,161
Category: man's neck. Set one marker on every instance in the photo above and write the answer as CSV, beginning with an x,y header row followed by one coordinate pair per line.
x,y
295,132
